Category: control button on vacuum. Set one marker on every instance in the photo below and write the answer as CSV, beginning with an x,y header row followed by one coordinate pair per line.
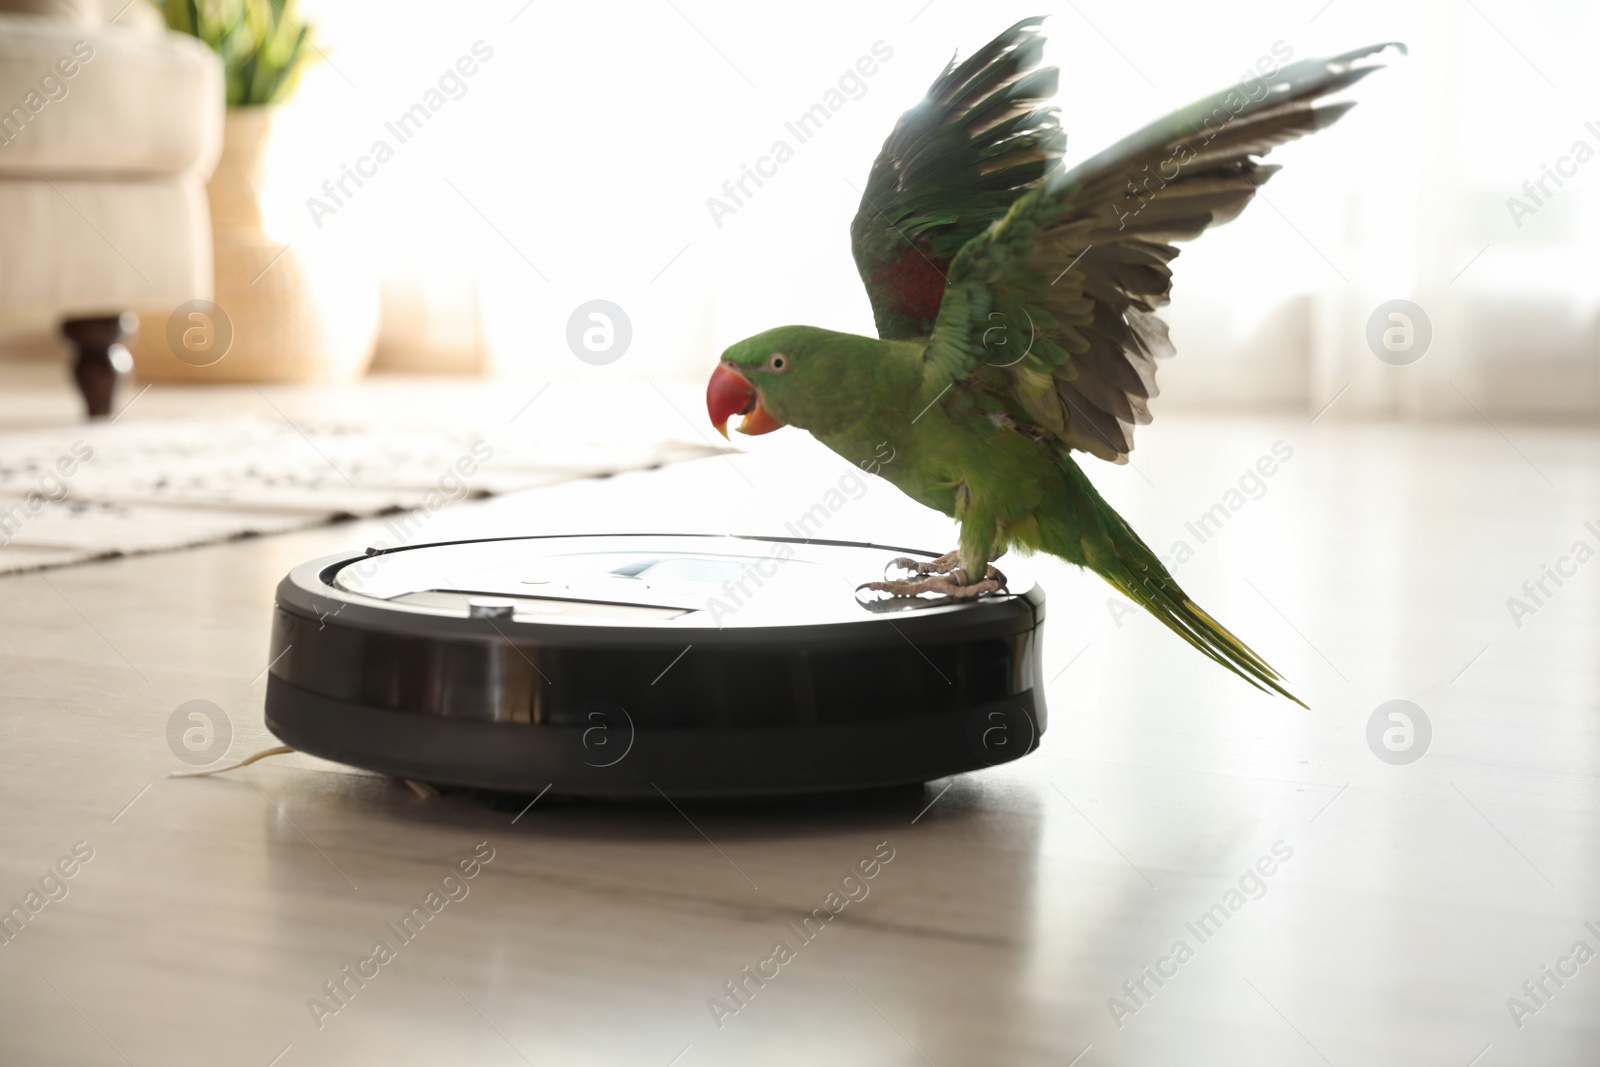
x,y
489,607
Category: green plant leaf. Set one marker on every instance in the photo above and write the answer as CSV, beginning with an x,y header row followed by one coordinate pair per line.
x,y
263,45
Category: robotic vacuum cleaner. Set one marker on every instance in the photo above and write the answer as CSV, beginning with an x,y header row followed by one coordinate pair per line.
x,y
639,665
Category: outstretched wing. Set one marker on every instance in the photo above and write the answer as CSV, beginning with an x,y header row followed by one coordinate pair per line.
x,y
952,166
1049,319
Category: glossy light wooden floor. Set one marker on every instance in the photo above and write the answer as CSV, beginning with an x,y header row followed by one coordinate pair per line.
x,y
1375,565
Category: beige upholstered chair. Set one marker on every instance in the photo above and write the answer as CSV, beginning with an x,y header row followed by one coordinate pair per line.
x,y
109,127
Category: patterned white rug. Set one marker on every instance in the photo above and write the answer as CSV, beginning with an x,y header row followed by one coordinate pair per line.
x,y
106,489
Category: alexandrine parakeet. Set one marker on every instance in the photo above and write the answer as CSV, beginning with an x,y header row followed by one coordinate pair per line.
x,y
1015,307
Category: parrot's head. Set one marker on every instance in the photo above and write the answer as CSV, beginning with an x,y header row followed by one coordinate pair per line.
x,y
790,376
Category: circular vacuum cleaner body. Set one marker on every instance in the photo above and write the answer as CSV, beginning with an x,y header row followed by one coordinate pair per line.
x,y
641,665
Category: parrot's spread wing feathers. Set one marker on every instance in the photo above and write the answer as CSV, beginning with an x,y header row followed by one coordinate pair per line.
x,y
952,166
1049,317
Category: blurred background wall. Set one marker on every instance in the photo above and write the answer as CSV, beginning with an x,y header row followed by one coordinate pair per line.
x,y
577,160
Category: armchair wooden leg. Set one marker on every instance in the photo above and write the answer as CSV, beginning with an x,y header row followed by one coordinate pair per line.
x,y
102,357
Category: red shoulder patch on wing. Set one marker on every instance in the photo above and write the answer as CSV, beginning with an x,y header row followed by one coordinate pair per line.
x,y
912,282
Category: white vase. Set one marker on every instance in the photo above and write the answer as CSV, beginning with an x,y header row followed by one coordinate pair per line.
x,y
298,313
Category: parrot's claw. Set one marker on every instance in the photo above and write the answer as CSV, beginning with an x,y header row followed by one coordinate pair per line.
x,y
943,565
952,583
941,583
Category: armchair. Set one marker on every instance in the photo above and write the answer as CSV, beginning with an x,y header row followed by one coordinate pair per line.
x,y
109,128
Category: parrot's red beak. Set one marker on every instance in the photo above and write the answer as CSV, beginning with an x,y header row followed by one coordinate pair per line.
x,y
730,393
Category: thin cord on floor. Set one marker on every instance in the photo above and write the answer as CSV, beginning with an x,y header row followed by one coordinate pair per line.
x,y
263,754
422,789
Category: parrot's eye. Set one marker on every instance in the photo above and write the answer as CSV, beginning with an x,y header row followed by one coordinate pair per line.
x,y
778,363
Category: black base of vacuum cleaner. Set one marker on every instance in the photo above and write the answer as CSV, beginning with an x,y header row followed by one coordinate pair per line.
x,y
640,665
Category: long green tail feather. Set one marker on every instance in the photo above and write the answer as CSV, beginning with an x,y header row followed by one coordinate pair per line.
x,y
1109,547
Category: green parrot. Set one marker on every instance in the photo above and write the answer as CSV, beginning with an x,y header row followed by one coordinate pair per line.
x,y
1015,307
